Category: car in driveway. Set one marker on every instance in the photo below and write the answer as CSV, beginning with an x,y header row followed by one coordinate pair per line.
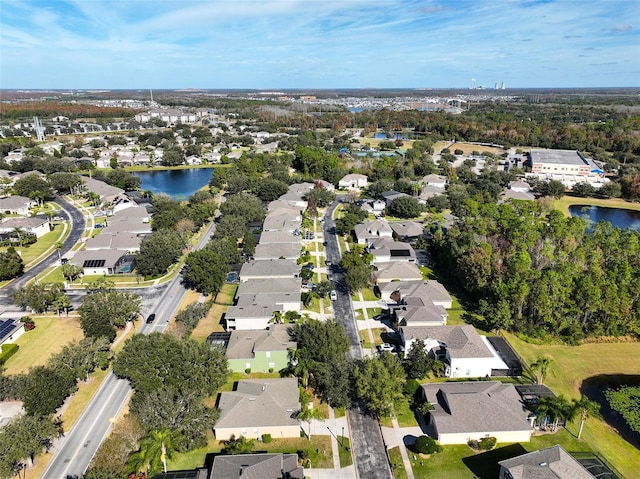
x,y
308,266
151,318
386,347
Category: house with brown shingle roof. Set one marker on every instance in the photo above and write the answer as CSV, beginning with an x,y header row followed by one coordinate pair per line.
x,y
473,410
257,407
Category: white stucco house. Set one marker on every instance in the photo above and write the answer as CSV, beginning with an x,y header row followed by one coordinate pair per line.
x,y
353,181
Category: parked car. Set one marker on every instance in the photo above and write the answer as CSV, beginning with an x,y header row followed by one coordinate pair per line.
x,y
386,347
333,295
308,266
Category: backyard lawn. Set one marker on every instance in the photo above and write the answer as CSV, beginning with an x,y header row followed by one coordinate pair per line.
x,y
49,337
318,448
570,366
211,322
461,462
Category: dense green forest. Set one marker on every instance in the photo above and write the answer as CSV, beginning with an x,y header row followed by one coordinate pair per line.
x,y
543,274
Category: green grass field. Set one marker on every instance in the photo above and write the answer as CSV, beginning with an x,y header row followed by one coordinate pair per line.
x,y
318,448
461,462
570,366
49,337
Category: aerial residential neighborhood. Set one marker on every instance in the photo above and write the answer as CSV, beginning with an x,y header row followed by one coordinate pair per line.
x,y
331,306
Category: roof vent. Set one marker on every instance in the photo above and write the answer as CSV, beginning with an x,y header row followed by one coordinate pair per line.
x,y
543,464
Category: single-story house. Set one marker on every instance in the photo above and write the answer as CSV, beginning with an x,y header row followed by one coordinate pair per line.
x,y
508,194
463,351
277,251
550,463
282,219
417,311
128,242
260,350
386,250
262,466
407,230
100,188
275,205
257,407
438,181
294,198
324,185
372,229
430,290
16,204
133,226
102,261
391,195
35,226
10,330
280,237
353,181
301,188
429,192
474,410
269,268
397,271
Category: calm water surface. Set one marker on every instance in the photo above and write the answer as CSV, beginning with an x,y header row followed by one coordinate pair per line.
x,y
616,216
179,184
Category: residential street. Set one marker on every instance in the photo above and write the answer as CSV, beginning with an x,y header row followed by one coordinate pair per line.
x,y
368,448
73,453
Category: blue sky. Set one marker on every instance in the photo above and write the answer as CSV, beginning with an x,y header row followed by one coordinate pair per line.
x,y
279,44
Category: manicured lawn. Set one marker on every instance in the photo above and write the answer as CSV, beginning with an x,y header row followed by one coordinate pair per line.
x,y
49,337
404,415
373,312
397,466
563,203
570,366
344,451
235,377
211,322
364,335
318,448
461,462
31,252
454,317
368,295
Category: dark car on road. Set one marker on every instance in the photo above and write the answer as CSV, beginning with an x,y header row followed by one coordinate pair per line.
x,y
151,318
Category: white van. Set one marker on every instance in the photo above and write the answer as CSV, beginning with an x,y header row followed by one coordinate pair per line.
x,y
333,295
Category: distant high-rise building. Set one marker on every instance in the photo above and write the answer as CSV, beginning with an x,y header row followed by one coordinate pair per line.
x,y
473,83
503,87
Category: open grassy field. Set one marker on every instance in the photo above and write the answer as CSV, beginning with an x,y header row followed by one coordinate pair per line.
x,y
570,366
563,203
49,337
467,148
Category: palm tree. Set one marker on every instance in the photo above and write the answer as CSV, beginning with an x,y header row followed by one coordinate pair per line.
x,y
154,451
18,233
585,407
541,365
555,409
58,246
307,412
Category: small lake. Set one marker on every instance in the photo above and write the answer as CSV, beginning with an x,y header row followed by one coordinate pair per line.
x,y
179,184
616,216
394,136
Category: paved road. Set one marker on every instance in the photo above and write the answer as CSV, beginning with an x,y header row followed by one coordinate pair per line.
x,y
73,453
368,449
78,224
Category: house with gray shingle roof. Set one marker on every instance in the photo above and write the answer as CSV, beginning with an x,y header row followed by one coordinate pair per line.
x,y
369,230
269,268
257,407
279,237
35,226
463,351
16,204
386,250
550,463
260,350
397,271
474,410
407,230
277,251
256,466
282,219
128,242
430,290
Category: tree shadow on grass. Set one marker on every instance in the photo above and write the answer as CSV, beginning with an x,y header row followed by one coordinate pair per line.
x,y
485,465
